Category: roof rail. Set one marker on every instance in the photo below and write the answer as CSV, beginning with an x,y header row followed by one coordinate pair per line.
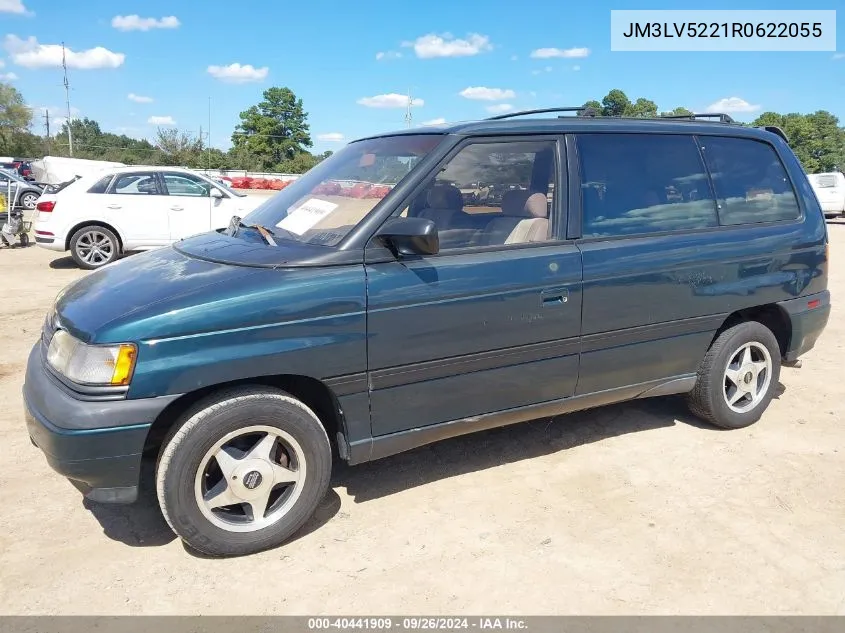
x,y
723,118
581,110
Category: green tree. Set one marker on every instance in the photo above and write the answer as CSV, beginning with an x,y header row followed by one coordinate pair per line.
x,y
681,110
179,148
817,139
595,105
615,103
15,117
274,131
642,108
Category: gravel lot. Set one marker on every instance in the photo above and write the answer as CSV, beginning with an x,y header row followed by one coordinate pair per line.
x,y
633,508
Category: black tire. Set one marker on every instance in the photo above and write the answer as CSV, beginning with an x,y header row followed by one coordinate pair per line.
x,y
24,238
29,200
708,401
188,444
84,236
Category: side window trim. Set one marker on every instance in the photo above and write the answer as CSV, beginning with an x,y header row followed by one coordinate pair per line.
x,y
424,179
575,203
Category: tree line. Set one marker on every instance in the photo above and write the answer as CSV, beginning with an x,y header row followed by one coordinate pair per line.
x,y
274,135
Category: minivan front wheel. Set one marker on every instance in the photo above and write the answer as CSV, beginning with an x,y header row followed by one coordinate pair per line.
x,y
738,376
243,471
93,247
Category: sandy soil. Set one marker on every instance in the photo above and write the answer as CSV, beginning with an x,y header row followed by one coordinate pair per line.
x,y
634,508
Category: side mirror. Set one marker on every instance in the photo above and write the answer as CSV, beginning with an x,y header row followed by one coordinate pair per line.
x,y
215,193
410,236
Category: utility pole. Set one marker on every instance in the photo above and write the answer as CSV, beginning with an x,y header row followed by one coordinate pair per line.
x,y
67,100
208,146
47,124
408,115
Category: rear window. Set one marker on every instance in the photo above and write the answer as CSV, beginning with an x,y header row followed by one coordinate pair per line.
x,y
101,185
824,180
750,181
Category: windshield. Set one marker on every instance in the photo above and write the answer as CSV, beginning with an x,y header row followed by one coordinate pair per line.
x,y
8,175
325,204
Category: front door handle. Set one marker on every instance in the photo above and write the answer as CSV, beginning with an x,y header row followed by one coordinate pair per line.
x,y
176,208
113,206
554,297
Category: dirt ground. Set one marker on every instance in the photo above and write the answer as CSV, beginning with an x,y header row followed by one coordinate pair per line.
x,y
634,508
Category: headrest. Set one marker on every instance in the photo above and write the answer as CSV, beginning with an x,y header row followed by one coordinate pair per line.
x,y
445,196
524,203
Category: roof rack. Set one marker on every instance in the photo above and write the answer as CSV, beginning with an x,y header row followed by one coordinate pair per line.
x,y
723,118
581,110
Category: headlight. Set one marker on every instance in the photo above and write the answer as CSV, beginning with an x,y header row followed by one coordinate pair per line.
x,y
91,364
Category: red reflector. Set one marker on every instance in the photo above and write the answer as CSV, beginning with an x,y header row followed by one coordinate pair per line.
x,y
815,303
47,206
45,233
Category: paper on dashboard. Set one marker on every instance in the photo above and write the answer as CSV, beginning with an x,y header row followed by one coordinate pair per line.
x,y
302,218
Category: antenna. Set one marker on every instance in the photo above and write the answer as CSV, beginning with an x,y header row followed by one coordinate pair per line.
x,y
408,115
67,100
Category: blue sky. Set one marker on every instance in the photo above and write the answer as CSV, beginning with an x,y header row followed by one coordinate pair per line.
x,y
328,53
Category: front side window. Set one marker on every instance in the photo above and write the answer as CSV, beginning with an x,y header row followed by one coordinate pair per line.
x,y
635,184
328,201
186,185
492,194
135,184
750,181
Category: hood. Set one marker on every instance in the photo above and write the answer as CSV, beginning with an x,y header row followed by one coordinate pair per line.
x,y
248,248
165,294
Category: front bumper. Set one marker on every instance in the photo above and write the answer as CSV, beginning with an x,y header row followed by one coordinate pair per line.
x,y
98,444
808,316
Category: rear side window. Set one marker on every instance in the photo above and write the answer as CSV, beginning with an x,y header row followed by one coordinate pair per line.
x,y
135,184
635,184
101,185
750,181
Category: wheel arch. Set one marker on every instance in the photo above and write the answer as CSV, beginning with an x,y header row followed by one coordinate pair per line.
x,y
770,315
82,224
315,394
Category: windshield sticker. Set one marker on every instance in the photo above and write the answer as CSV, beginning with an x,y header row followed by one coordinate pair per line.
x,y
306,215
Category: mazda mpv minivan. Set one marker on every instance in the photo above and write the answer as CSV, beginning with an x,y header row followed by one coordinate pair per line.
x,y
370,308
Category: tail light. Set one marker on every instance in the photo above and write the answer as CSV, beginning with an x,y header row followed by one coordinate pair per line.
x,y
45,207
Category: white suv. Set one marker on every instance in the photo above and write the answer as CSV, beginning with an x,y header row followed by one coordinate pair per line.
x,y
830,190
101,216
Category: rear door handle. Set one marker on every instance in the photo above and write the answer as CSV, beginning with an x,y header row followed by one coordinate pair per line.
x,y
113,206
554,297
176,208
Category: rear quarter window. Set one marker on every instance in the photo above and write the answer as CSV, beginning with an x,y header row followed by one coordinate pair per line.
x,y
750,181
101,185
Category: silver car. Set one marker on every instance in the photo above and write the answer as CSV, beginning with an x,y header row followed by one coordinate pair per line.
x,y
24,193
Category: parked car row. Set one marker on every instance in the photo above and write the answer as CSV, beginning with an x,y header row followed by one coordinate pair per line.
x,y
101,216
22,168
24,193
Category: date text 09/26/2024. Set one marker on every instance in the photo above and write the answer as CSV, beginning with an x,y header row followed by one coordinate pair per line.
x,y
416,624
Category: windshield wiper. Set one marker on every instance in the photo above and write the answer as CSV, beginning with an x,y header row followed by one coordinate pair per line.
x,y
266,233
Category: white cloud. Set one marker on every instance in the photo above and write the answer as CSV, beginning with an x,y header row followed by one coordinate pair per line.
x,y
391,100
576,68
14,6
514,58
138,98
331,137
2,63
500,108
137,23
437,121
838,56
487,94
547,53
161,120
237,74
387,55
431,45
8,76
732,104
30,54
535,72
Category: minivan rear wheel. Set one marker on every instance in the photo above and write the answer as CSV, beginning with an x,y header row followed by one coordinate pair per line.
x,y
94,246
243,471
738,376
